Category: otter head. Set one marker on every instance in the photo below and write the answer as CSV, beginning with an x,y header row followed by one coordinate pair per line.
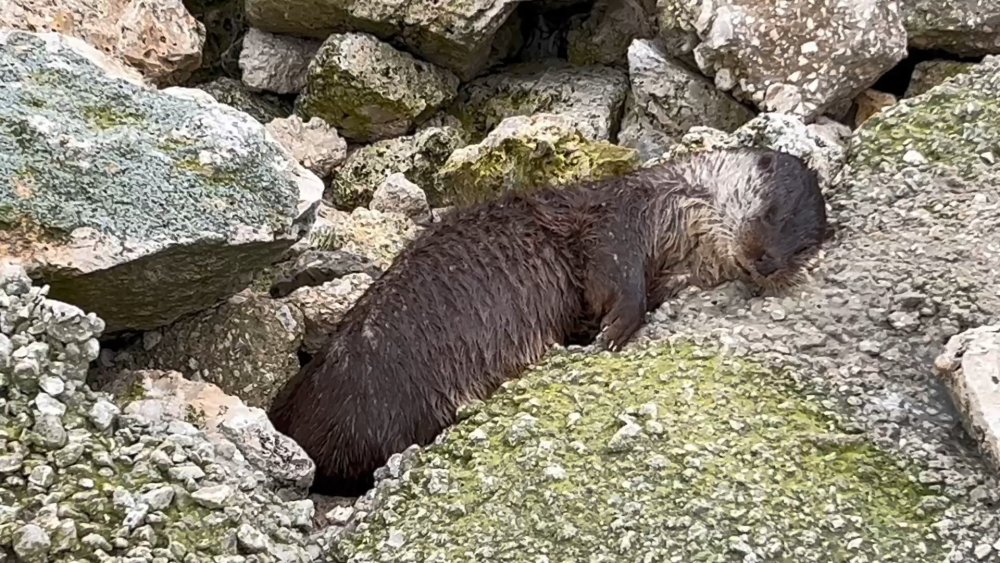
x,y
782,222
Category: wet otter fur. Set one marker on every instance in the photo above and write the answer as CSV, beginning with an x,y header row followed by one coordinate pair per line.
x,y
484,293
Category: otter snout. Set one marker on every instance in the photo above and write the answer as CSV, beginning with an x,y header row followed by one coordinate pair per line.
x,y
766,265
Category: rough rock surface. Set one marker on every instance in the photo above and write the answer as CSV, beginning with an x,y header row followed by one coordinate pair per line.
x,y
928,74
140,205
370,90
961,27
246,346
85,481
276,63
314,143
399,195
970,367
604,36
667,99
785,56
417,156
593,95
225,26
870,102
261,106
527,152
324,305
316,267
375,236
459,37
160,39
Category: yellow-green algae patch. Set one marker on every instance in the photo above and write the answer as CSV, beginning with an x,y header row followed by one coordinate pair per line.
x,y
658,455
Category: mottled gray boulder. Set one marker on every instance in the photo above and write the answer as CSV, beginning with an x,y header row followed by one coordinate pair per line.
x,y
459,38
399,195
324,305
928,74
138,204
246,346
275,63
369,90
604,35
667,99
124,486
375,236
963,27
593,95
314,143
827,51
316,267
417,156
261,106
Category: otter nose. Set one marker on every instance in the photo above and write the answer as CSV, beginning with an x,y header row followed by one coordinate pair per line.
x,y
765,265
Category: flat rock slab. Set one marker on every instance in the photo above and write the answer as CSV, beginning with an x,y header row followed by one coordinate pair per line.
x,y
963,27
139,205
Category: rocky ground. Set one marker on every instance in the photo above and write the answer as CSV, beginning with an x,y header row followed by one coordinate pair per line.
x,y
192,193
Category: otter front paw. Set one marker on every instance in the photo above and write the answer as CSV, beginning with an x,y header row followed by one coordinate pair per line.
x,y
620,324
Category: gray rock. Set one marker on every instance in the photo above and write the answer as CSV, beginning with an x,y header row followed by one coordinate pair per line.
x,y
314,143
212,497
324,305
374,236
928,74
460,38
667,99
963,27
605,35
251,539
31,543
259,105
275,63
369,90
831,49
176,202
593,95
315,267
399,195
285,464
103,414
159,498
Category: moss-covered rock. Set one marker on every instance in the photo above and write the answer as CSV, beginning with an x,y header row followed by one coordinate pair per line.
x,y
369,90
261,106
525,153
928,74
661,454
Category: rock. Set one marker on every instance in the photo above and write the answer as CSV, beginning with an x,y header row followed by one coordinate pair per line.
x,y
399,195
251,539
176,200
592,95
324,305
315,144
460,38
261,106
276,63
369,90
31,543
830,50
928,74
225,27
605,35
315,267
963,27
667,99
375,236
212,497
159,39
418,157
525,153
869,103
247,346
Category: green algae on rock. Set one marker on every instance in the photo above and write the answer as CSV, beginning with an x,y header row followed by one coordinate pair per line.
x,y
659,454
524,153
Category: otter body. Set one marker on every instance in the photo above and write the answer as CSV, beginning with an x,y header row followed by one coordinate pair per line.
x,y
484,293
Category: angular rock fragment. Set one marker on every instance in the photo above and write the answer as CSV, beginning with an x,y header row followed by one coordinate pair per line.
x,y
316,267
315,144
928,74
399,195
369,90
276,63
323,306
784,56
667,99
524,153
261,106
605,35
962,27
593,95
376,237
138,204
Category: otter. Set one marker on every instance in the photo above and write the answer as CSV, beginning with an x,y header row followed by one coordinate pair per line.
x,y
485,292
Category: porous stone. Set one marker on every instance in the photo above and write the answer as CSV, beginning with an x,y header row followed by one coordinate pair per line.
x,y
324,305
314,143
315,267
928,74
375,236
604,36
259,105
870,102
370,90
276,63
524,153
783,56
159,39
399,195
461,38
593,95
176,200
418,157
963,27
667,99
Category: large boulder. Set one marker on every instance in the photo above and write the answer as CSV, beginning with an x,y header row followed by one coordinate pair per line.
x,y
785,56
160,39
140,205
459,38
963,27
369,90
